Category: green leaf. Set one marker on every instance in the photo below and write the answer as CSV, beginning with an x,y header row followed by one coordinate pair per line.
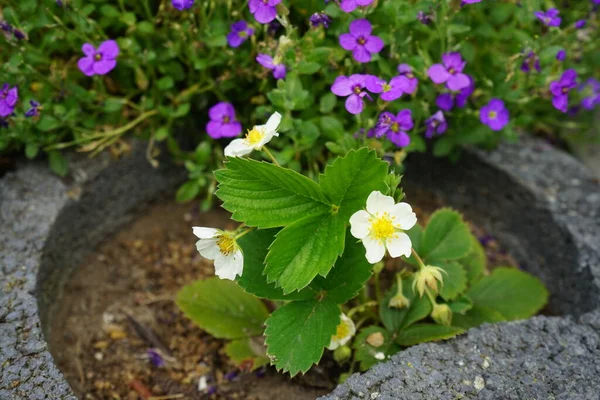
x,y
475,262
297,333
350,179
47,123
445,238
393,318
511,292
367,348
455,280
266,195
349,274
308,67
304,249
415,234
222,308
58,163
476,316
31,150
327,104
187,191
461,305
248,353
165,83
421,333
332,128
255,246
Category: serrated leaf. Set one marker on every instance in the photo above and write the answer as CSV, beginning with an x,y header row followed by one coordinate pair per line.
x,y
245,352
476,316
513,293
349,274
461,305
255,246
266,195
366,351
415,234
475,262
398,318
187,191
222,308
350,179
455,280
297,333
305,249
445,238
421,333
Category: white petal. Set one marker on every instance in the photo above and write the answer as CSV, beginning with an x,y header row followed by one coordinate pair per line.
x,y
405,217
379,203
208,248
205,233
227,267
238,148
334,344
350,324
399,245
375,249
359,224
273,123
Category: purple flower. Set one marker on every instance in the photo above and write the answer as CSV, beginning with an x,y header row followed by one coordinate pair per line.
x,y
531,61
353,87
409,83
350,5
580,24
436,124
264,11
560,89
395,127
101,61
463,2
465,93
360,41
8,99
6,27
592,87
155,358
423,18
318,19
182,4
388,91
18,34
33,111
445,101
549,18
450,72
494,114
240,32
561,55
222,122
279,70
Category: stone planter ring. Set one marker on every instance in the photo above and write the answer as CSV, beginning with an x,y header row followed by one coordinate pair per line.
x,y
540,204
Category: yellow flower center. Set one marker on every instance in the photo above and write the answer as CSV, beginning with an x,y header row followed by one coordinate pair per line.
x,y
226,244
386,87
97,56
382,227
243,34
342,331
254,136
395,127
493,114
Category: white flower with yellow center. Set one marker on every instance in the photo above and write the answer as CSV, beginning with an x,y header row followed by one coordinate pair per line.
x,y
345,330
220,246
255,139
382,227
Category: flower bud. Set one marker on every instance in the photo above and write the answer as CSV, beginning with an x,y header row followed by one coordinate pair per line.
x,y
428,276
341,354
442,314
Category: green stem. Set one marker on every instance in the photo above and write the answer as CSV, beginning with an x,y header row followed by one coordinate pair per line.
x,y
419,260
266,150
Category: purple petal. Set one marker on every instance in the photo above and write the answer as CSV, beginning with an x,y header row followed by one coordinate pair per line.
x,y
214,128
265,60
374,84
406,84
253,5
453,60
88,49
354,104
232,129
363,3
86,65
234,39
438,73
348,5
561,102
458,82
400,138
374,44
265,13
404,119
404,69
348,42
104,67
279,71
239,26
361,27
342,86
394,94
220,111
109,50
445,101
361,54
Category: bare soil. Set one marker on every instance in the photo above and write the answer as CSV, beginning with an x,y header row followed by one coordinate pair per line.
x,y
119,304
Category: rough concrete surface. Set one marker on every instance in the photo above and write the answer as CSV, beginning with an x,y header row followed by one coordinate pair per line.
x,y
540,203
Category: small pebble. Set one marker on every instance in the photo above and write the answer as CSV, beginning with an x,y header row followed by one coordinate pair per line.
x,y
479,383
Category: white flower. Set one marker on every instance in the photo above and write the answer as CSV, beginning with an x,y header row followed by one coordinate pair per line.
x,y
381,226
255,139
345,330
221,247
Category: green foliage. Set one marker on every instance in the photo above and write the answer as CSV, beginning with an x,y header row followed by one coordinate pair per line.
x,y
445,238
247,352
395,319
369,350
474,262
297,333
420,333
455,280
235,315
